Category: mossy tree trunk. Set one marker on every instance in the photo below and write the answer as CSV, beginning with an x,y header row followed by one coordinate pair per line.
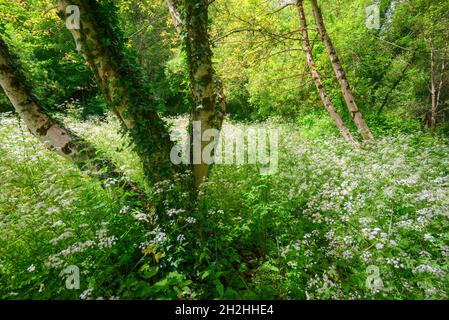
x,y
53,134
205,110
179,23
121,82
433,91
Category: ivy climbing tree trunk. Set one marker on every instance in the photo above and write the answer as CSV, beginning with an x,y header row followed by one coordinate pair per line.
x,y
53,134
341,75
206,90
316,76
180,25
121,82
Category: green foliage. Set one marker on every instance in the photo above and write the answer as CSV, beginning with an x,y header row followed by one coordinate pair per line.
x,y
311,231
258,47
177,77
149,32
52,217
257,53
46,51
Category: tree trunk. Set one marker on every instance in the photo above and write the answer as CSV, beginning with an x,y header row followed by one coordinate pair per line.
x,y
208,104
433,110
180,24
316,76
341,75
52,133
440,87
101,43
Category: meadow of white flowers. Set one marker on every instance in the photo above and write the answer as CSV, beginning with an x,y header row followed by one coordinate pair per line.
x,y
314,230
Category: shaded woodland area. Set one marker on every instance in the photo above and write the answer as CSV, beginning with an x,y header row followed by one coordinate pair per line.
x,y
98,202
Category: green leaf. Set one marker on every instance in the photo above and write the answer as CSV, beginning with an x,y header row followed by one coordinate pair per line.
x,y
220,288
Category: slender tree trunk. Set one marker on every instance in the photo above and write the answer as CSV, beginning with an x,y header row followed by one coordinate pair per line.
x,y
341,75
101,44
440,86
316,77
52,133
179,23
173,8
208,104
433,110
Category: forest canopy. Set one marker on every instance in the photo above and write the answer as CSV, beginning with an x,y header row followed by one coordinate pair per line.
x,y
224,149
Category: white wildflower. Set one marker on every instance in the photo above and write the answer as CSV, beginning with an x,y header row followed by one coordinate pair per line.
x,y
379,246
191,220
58,223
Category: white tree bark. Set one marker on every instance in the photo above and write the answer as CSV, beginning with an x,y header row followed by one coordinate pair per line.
x,y
52,133
206,88
433,110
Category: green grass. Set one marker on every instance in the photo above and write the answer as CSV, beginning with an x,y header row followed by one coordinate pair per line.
x,y
314,230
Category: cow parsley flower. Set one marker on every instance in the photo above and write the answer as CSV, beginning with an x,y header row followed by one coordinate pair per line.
x,y
191,220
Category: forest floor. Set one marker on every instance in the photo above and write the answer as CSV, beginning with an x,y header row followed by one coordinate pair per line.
x,y
331,222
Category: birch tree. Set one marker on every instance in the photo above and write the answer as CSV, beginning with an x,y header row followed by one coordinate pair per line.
x,y
433,90
53,134
101,43
340,74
